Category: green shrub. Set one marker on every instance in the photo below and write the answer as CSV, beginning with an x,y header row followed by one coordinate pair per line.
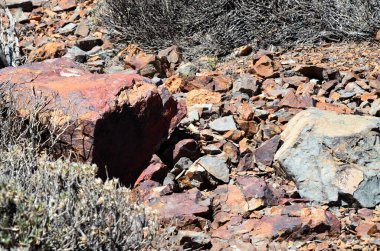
x,y
59,205
205,27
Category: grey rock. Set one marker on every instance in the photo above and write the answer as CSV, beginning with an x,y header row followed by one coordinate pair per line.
x,y
215,166
169,179
246,83
157,81
333,157
19,15
115,68
181,165
39,3
67,29
96,49
223,124
76,54
375,108
187,70
193,240
82,29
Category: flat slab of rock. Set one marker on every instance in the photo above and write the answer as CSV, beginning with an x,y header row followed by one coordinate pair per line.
x,y
223,124
216,166
26,5
117,120
333,157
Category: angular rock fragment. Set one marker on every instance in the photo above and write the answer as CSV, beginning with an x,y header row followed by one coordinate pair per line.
x,y
333,157
193,240
246,84
223,124
192,202
88,43
264,154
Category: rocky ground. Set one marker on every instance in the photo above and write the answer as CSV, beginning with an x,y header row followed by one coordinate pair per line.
x,y
262,150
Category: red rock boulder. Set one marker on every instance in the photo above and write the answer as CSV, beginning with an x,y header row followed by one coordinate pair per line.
x,y
117,121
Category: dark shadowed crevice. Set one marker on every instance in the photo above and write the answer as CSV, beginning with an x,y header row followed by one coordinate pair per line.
x,y
125,140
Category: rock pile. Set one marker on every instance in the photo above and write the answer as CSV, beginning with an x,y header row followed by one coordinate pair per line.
x,y
265,150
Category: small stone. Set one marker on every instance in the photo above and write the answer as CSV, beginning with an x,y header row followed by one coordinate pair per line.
x,y
246,83
174,84
194,240
188,148
88,43
223,124
181,165
366,229
243,51
296,101
67,29
377,38
187,70
65,5
375,108
265,67
216,166
156,171
264,154
202,97
82,29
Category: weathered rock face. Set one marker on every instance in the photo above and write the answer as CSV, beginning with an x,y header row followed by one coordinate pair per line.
x,y
117,120
333,157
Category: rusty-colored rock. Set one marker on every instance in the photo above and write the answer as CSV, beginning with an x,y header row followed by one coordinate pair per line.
x,y
174,84
156,171
49,51
296,101
67,4
117,120
265,67
202,97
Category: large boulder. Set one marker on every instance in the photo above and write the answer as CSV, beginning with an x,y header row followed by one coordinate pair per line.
x,y
116,120
333,157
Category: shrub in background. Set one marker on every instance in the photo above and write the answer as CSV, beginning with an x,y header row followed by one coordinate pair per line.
x,y
215,27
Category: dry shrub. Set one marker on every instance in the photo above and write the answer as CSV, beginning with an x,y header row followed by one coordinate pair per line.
x,y
58,205
9,40
215,27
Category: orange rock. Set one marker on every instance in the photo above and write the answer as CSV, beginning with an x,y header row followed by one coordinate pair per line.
x,y
265,67
335,108
246,112
366,229
335,96
378,36
202,97
250,127
48,51
174,84
368,96
67,4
